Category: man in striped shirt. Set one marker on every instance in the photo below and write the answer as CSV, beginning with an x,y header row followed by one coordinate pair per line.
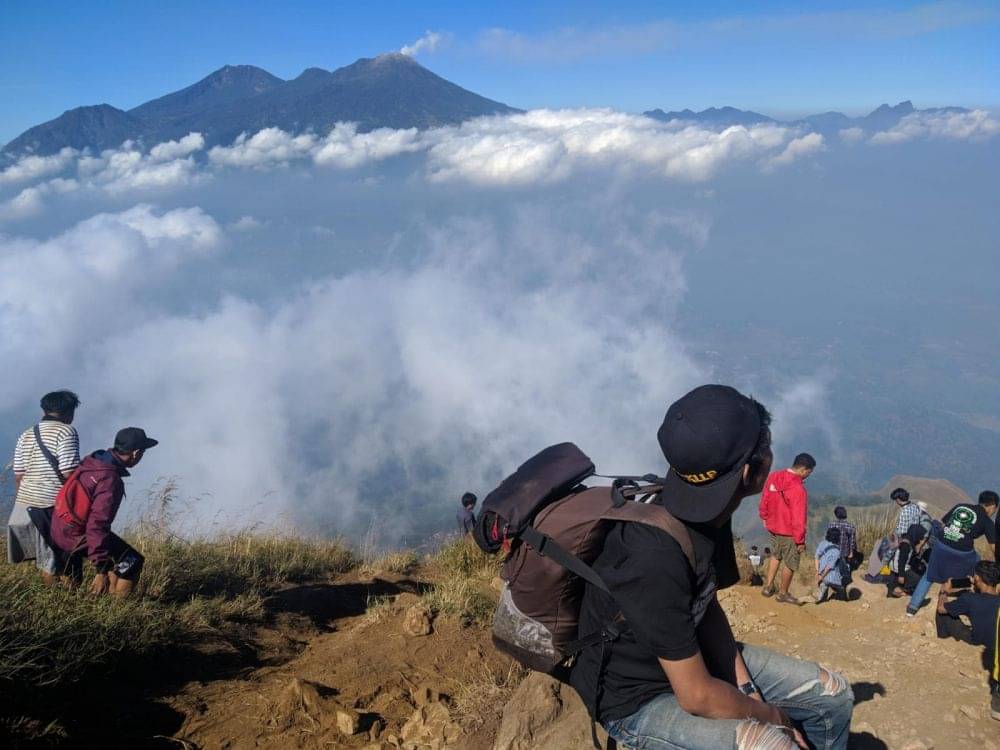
x,y
37,480
909,513
848,534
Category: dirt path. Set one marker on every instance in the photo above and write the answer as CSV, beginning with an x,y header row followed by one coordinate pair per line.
x,y
910,687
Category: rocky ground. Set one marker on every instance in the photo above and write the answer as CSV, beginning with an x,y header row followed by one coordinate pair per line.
x,y
376,670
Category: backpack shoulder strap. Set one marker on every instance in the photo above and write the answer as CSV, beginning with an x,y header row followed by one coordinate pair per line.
x,y
658,517
546,545
52,460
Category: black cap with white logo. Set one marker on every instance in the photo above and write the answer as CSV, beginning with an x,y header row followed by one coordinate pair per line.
x,y
131,439
707,437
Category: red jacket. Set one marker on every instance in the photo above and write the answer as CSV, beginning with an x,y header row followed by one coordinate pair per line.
x,y
101,476
784,505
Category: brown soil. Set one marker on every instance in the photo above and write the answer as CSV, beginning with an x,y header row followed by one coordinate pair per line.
x,y
323,664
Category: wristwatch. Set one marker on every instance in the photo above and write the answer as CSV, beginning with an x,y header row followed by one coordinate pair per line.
x,y
748,688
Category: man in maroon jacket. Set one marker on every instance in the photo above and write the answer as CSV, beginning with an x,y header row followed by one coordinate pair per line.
x,y
784,506
100,475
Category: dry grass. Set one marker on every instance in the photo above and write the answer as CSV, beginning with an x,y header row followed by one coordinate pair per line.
x,y
464,582
481,697
872,526
191,590
401,563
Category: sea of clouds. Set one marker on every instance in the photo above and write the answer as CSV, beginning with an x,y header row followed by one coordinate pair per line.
x,y
334,331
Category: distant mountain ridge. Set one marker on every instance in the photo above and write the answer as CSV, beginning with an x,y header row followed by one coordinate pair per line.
x,y
390,90
882,118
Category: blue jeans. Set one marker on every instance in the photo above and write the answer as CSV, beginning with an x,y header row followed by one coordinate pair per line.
x,y
919,593
820,702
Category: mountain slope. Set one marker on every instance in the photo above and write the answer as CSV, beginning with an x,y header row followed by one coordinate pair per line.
x,y
225,86
387,91
724,116
97,127
882,118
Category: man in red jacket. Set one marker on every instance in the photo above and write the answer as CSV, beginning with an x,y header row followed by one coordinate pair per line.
x,y
100,475
784,505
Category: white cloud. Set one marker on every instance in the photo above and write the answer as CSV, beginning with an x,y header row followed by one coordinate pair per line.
x,y
345,147
245,224
167,165
125,169
975,125
30,201
544,146
796,149
30,168
428,43
58,292
171,150
852,135
266,148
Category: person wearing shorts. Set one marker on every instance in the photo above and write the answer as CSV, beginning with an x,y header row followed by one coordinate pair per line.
x,y
99,482
784,506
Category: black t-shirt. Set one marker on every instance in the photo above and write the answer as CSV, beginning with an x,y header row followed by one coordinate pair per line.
x,y
662,600
965,523
981,609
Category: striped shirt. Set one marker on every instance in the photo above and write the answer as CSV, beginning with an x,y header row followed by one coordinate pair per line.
x,y
39,484
848,536
909,514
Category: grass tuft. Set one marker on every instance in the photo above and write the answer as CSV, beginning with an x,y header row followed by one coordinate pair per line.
x,y
464,587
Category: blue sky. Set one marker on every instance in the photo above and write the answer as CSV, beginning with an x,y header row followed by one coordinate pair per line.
x,y
778,57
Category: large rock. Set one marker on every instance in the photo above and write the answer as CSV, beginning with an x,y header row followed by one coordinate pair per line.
x,y
417,620
544,713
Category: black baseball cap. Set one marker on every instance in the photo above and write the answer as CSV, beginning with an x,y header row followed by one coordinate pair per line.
x,y
133,439
707,437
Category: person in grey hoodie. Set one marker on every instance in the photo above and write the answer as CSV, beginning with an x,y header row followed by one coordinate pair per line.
x,y
828,566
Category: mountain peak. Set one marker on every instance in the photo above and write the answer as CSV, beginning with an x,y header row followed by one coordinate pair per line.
x,y
229,83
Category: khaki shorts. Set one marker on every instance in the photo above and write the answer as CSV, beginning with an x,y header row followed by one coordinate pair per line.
x,y
783,548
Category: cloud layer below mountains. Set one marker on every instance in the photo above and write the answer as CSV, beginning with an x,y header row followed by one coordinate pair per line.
x,y
537,147
347,329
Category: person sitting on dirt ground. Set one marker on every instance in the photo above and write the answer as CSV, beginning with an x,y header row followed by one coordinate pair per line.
x,y
953,554
45,456
829,567
982,607
85,509
908,563
848,537
466,517
675,676
784,506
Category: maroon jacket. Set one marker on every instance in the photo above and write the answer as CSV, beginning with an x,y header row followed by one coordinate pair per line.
x,y
101,476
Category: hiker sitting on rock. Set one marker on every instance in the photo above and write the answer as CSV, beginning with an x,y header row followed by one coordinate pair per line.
x,y
675,676
85,509
784,506
953,555
45,455
982,607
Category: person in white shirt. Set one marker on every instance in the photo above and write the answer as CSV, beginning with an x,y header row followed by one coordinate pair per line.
x,y
45,456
